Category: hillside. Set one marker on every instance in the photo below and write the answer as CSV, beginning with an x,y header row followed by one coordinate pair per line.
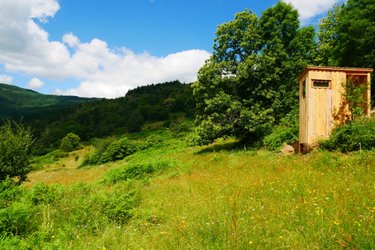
x,y
52,117
17,102
169,195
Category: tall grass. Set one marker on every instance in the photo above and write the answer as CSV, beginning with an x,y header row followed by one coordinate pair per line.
x,y
171,196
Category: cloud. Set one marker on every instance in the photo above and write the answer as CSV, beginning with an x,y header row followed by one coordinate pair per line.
x,y
35,83
6,79
102,71
311,8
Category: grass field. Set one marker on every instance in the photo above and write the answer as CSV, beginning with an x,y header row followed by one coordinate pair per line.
x,y
212,197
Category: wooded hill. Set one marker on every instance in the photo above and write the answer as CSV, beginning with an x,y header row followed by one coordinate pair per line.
x,y
17,102
52,117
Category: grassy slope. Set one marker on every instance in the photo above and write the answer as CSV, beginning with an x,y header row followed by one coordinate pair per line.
x,y
228,199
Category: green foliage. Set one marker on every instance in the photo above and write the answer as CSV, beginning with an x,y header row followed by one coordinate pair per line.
x,y
53,117
135,122
249,83
118,150
15,151
135,171
9,193
118,207
70,142
286,132
356,135
41,194
108,151
279,136
347,36
150,141
181,129
18,219
17,102
354,92
39,162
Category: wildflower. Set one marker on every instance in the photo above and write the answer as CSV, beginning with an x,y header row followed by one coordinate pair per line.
x,y
251,242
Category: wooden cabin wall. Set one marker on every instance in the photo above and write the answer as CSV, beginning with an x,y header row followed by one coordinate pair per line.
x,y
303,110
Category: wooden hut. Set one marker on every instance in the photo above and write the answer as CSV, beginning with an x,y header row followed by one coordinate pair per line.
x,y
321,98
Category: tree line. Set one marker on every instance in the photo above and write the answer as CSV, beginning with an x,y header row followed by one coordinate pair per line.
x,y
250,83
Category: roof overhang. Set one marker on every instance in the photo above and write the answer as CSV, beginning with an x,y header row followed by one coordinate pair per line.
x,y
337,69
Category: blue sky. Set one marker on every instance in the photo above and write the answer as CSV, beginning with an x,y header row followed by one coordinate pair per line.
x,y
104,48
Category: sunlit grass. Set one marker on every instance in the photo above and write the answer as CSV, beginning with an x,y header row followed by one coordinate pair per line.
x,y
221,198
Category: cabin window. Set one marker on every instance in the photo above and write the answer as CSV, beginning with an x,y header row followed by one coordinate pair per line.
x,y
321,84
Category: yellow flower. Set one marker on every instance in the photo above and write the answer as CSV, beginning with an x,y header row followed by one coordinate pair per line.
x,y
250,242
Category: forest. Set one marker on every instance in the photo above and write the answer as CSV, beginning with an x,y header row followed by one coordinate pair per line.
x,y
197,165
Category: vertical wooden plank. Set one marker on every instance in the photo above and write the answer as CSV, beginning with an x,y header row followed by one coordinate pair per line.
x,y
369,94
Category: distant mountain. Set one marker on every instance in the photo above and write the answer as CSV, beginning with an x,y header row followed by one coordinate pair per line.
x,y
52,117
16,102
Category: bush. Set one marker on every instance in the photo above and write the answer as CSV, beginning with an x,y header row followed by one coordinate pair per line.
x,y
150,141
118,150
18,219
15,151
135,171
285,132
70,142
356,135
44,194
180,129
118,207
279,136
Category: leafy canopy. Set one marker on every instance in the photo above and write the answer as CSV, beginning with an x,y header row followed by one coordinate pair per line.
x,y
250,81
15,146
70,142
347,36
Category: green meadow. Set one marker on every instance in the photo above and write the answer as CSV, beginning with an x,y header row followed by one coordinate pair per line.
x,y
174,196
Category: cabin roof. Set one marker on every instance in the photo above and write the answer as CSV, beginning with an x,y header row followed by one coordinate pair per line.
x,y
337,69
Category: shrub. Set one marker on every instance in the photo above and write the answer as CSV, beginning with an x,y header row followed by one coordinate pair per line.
x,y
9,193
13,243
15,151
135,171
150,141
355,135
180,129
279,136
285,132
70,142
44,194
118,207
118,150
18,219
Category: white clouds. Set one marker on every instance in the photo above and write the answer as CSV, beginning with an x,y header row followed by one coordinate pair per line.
x,y
25,48
125,70
35,83
71,40
311,8
6,79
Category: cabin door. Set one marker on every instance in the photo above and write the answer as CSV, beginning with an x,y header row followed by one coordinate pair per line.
x,y
322,109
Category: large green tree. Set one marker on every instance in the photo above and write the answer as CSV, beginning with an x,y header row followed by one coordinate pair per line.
x,y
251,80
347,36
15,148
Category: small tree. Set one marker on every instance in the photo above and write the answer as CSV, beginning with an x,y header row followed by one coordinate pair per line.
x,y
354,102
15,151
70,142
